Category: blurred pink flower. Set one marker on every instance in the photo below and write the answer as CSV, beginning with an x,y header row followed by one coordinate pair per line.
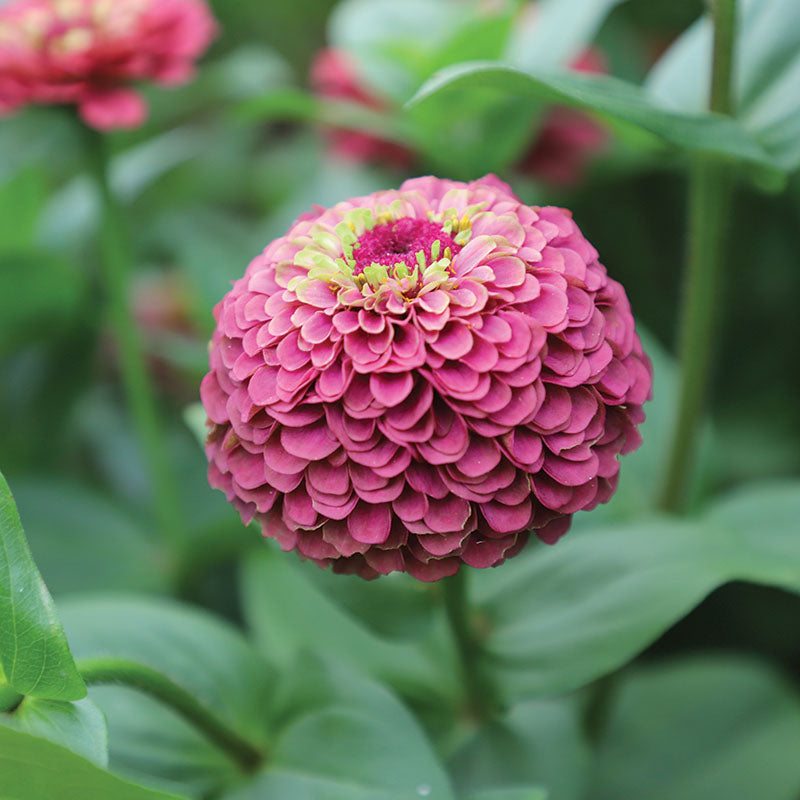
x,y
415,379
334,77
87,52
568,138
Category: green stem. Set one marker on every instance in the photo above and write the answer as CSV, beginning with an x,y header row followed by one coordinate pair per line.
x,y
137,676
116,271
482,700
709,203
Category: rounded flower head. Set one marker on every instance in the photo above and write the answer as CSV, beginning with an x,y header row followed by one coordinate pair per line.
x,y
418,378
86,52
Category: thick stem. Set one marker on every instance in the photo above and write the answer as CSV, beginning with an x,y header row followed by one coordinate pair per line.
x,y
116,272
709,203
138,676
481,695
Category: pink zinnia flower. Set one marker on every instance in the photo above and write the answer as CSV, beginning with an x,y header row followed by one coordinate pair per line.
x,y
87,52
416,379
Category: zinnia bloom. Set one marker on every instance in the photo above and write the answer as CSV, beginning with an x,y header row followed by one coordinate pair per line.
x,y
87,52
416,379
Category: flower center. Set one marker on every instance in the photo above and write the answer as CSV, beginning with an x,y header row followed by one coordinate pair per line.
x,y
399,242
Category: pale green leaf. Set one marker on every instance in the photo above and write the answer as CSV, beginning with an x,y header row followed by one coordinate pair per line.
x,y
80,726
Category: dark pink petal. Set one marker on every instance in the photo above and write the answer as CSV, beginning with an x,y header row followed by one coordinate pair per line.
x,y
370,523
391,389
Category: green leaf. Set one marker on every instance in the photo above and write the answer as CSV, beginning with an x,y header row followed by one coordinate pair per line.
x,y
562,616
710,728
202,654
33,649
616,100
767,74
39,306
763,519
80,726
36,769
288,613
21,199
153,745
346,738
533,793
555,33
536,743
96,545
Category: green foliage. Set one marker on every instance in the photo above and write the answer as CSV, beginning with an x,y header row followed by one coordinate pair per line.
x,y
79,726
708,728
35,769
767,74
343,737
34,653
616,100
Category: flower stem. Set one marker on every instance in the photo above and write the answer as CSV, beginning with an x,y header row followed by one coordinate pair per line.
x,y
709,203
138,676
116,272
482,700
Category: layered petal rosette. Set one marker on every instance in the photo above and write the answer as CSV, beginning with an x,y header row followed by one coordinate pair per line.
x,y
87,53
419,378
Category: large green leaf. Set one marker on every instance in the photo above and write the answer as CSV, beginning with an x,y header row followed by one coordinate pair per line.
x,y
710,728
36,769
616,100
203,655
554,32
288,613
96,544
535,743
767,74
80,726
345,738
508,794
33,649
200,653
563,616
151,744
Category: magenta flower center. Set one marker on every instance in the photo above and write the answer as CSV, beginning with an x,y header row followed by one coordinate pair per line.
x,y
399,242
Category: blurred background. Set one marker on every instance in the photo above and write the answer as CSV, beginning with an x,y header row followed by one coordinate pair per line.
x,y
303,102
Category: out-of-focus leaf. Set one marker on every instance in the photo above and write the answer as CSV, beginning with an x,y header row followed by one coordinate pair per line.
x,y
710,728
766,74
563,616
375,31
289,614
536,743
295,104
80,726
21,200
616,100
554,32
36,769
151,744
346,738
39,295
73,212
95,544
533,793
34,652
202,654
